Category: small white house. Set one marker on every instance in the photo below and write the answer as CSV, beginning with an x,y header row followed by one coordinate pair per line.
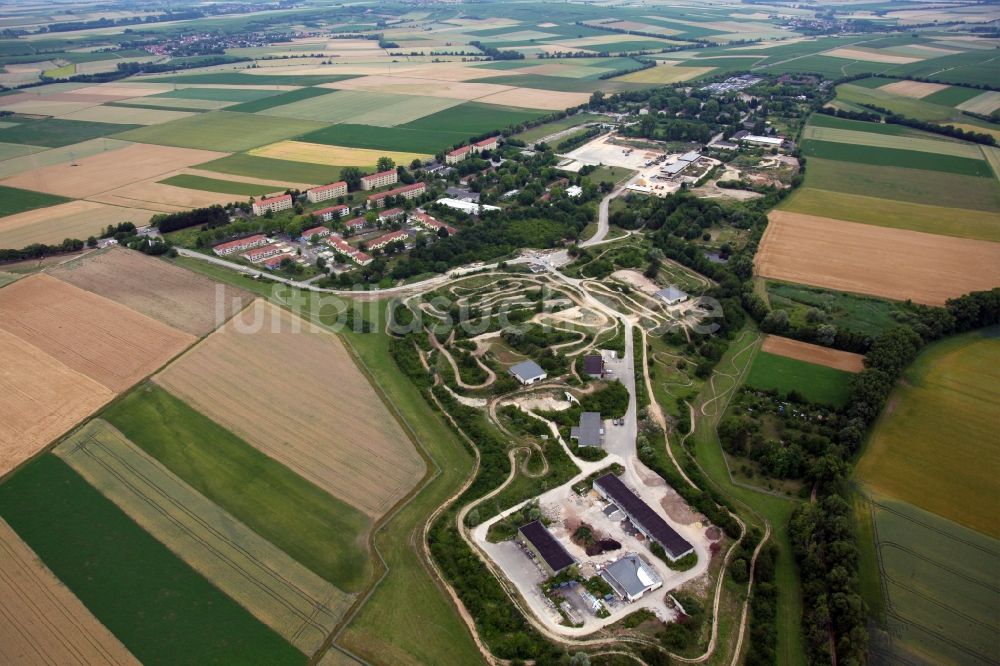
x,y
672,295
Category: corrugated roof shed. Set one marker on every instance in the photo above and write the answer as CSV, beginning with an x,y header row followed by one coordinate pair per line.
x,y
644,517
553,552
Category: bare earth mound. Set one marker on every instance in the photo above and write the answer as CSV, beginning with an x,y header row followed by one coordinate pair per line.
x,y
172,295
293,391
42,622
92,335
803,351
40,398
894,263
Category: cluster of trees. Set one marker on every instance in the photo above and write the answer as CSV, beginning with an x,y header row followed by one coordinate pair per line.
x,y
206,218
495,53
641,64
578,140
39,250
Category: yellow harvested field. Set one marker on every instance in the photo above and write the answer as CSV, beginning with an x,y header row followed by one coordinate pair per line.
x,y
126,116
881,261
810,353
45,107
74,219
913,89
318,153
125,90
531,98
179,298
985,104
92,335
665,73
405,85
293,391
40,399
870,56
634,26
284,595
158,196
104,172
42,621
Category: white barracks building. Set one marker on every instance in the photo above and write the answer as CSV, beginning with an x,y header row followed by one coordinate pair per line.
x,y
325,192
273,204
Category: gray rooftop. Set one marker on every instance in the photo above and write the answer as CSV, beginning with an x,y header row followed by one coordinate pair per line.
x,y
675,168
672,293
690,156
630,575
526,370
590,430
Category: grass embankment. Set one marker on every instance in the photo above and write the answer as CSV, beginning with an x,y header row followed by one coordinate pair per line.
x,y
323,533
162,610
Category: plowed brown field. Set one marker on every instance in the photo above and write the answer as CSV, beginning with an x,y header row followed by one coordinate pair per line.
x,y
40,398
803,351
894,263
92,335
41,622
172,295
294,392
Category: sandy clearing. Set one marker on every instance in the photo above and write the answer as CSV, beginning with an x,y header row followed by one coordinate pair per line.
x,y
293,391
177,297
870,56
810,353
894,263
295,602
317,153
42,622
95,336
126,116
530,98
416,86
107,171
40,399
913,89
986,103
74,219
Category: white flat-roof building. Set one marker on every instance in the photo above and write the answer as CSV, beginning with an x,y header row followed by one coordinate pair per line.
x,y
672,295
763,140
466,206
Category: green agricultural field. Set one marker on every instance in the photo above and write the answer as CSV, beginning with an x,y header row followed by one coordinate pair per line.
x,y
162,610
887,129
865,315
241,164
545,129
970,68
217,94
952,96
833,68
912,108
560,83
474,118
961,222
874,82
218,185
914,141
55,133
221,130
817,383
230,78
279,99
629,47
933,188
936,445
323,533
15,200
940,582
386,138
173,104
890,157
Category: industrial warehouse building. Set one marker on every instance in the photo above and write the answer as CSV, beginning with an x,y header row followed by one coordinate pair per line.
x,y
631,577
550,553
647,521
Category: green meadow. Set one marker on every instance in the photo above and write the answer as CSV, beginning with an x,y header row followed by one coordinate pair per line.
x,y
218,185
817,383
15,200
221,130
242,164
55,133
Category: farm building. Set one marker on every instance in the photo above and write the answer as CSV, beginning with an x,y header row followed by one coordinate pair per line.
x,y
645,519
391,214
549,552
380,179
593,366
432,224
274,204
325,192
410,191
308,234
590,432
387,239
466,206
222,249
261,253
327,214
459,154
672,295
631,577
528,372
